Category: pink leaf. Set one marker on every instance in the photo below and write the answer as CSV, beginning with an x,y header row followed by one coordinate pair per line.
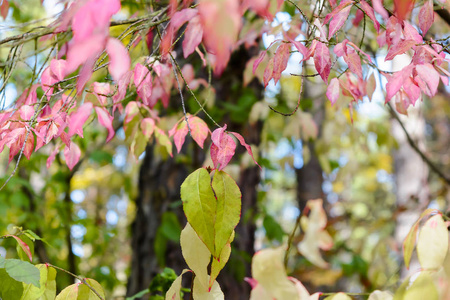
x,y
72,155
338,21
268,71
143,83
370,13
247,146
400,48
105,120
192,37
430,76
23,245
322,60
301,48
182,16
354,63
147,127
58,68
320,28
222,148
336,10
379,8
261,56
280,61
78,118
426,16
52,156
119,62
396,81
333,90
26,112
179,132
199,130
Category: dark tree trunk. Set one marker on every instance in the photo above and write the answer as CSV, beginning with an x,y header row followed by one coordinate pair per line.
x,y
159,186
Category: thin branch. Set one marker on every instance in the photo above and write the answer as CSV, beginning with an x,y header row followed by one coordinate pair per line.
x,y
83,280
291,238
411,142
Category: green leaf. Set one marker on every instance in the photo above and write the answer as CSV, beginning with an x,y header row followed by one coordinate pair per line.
x,y
9,288
2,262
25,248
23,271
31,292
138,295
86,293
273,229
199,205
228,209
170,226
195,253
218,264
50,285
69,293
432,245
410,240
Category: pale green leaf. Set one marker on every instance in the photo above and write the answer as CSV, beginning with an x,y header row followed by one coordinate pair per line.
x,y
195,253
86,293
268,269
228,210
31,292
410,240
199,205
422,288
380,295
69,293
2,262
432,245
174,292
50,285
201,292
22,271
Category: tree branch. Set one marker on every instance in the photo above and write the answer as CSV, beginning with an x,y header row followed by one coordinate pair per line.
x,y
413,145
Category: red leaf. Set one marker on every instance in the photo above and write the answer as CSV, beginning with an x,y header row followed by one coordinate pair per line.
x,y
23,245
78,118
333,90
243,143
72,155
105,119
192,37
119,59
426,16
338,21
4,8
403,8
179,132
280,61
222,148
322,60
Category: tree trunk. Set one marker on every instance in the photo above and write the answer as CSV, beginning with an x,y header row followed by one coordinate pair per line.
x,y
159,186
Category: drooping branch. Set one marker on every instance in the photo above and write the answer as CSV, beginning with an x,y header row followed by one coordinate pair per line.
x,y
413,145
